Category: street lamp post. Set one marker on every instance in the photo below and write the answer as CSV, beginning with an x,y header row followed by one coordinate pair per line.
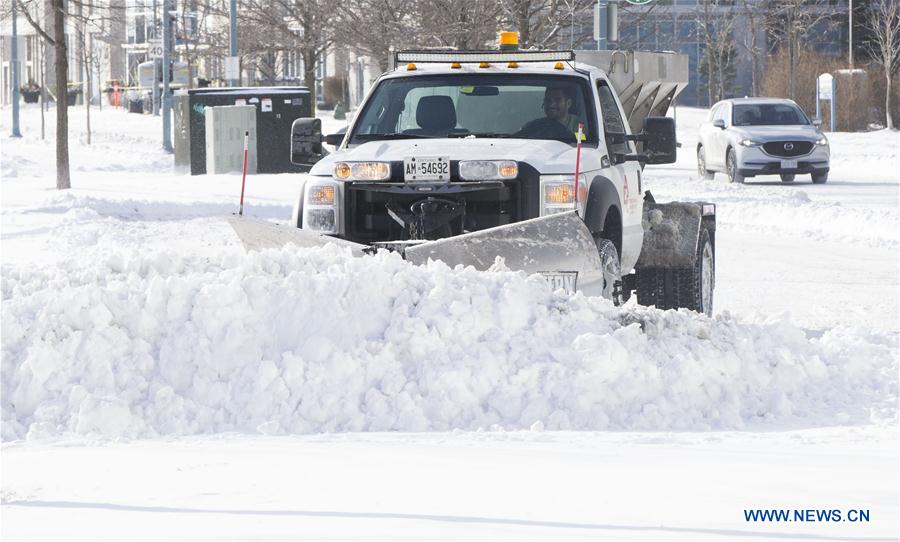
x,y
232,44
850,41
166,72
14,66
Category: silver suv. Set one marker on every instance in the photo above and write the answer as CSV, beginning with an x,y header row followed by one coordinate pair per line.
x,y
746,137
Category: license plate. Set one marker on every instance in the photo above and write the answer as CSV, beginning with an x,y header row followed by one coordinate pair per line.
x,y
788,164
426,168
565,280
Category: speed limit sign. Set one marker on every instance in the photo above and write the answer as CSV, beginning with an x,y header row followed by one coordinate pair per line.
x,y
154,48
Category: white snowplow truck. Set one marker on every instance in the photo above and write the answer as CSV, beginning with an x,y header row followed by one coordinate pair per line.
x,y
471,156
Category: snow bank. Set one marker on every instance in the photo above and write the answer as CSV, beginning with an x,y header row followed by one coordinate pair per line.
x,y
299,341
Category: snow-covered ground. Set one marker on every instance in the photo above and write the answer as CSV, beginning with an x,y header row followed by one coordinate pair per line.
x,y
159,382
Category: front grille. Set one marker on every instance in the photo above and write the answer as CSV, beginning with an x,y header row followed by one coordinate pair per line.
x,y
366,218
788,148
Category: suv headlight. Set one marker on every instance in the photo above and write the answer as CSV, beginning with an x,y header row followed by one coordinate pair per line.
x,y
487,170
362,171
558,193
321,205
750,143
822,141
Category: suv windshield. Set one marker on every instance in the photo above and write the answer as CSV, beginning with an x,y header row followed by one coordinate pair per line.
x,y
510,106
773,114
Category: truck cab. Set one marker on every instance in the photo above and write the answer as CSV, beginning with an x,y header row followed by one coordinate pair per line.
x,y
455,142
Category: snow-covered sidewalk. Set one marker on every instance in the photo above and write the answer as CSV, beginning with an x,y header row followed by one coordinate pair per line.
x,y
155,376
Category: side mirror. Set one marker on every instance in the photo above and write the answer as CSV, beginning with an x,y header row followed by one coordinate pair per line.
x,y
306,142
817,122
658,136
336,138
719,123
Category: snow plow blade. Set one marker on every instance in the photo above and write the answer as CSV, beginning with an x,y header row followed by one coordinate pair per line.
x,y
559,246
258,234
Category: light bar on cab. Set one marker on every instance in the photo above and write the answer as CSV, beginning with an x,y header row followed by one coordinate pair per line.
x,y
482,56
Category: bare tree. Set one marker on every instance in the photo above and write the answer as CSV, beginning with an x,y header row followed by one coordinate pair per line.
x,y
305,25
61,67
375,27
792,22
883,21
755,13
540,23
715,26
471,24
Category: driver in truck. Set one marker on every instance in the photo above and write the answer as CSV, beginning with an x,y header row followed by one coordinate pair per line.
x,y
558,102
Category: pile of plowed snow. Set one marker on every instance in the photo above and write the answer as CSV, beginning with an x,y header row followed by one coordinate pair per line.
x,y
299,341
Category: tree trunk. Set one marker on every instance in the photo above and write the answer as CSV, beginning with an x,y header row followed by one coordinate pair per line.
x,y
43,68
791,67
889,119
62,103
309,75
87,91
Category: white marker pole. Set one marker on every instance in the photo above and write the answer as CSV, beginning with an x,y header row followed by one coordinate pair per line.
x,y
244,175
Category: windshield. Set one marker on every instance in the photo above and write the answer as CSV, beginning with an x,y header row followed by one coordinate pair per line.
x,y
474,105
767,115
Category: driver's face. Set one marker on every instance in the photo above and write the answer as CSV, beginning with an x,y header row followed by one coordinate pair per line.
x,y
556,105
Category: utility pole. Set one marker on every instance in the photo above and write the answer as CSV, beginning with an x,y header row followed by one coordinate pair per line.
x,y
155,64
851,35
14,65
166,72
232,46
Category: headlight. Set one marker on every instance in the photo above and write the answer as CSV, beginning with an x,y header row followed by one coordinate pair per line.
x,y
321,195
362,171
558,193
321,206
486,170
750,143
822,141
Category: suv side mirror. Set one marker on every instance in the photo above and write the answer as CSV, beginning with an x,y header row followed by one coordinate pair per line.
x,y
306,142
336,138
658,136
817,122
719,123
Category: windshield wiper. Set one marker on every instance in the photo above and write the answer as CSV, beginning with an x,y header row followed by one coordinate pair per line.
x,y
396,135
478,136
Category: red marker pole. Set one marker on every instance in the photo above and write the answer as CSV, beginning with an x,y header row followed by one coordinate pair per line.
x,y
116,93
579,135
244,176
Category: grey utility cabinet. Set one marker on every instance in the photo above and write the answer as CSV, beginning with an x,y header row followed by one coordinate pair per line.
x,y
225,128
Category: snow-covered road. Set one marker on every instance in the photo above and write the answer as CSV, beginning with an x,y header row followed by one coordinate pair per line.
x,y
158,382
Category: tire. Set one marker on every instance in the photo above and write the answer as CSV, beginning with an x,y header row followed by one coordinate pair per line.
x,y
819,178
690,288
787,177
703,173
612,270
731,167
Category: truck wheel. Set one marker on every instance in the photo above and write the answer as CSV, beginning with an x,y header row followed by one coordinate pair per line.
x,y
787,177
612,270
819,178
731,166
702,172
681,288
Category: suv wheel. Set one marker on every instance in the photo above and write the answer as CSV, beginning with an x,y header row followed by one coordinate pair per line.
x,y
731,166
819,178
703,173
